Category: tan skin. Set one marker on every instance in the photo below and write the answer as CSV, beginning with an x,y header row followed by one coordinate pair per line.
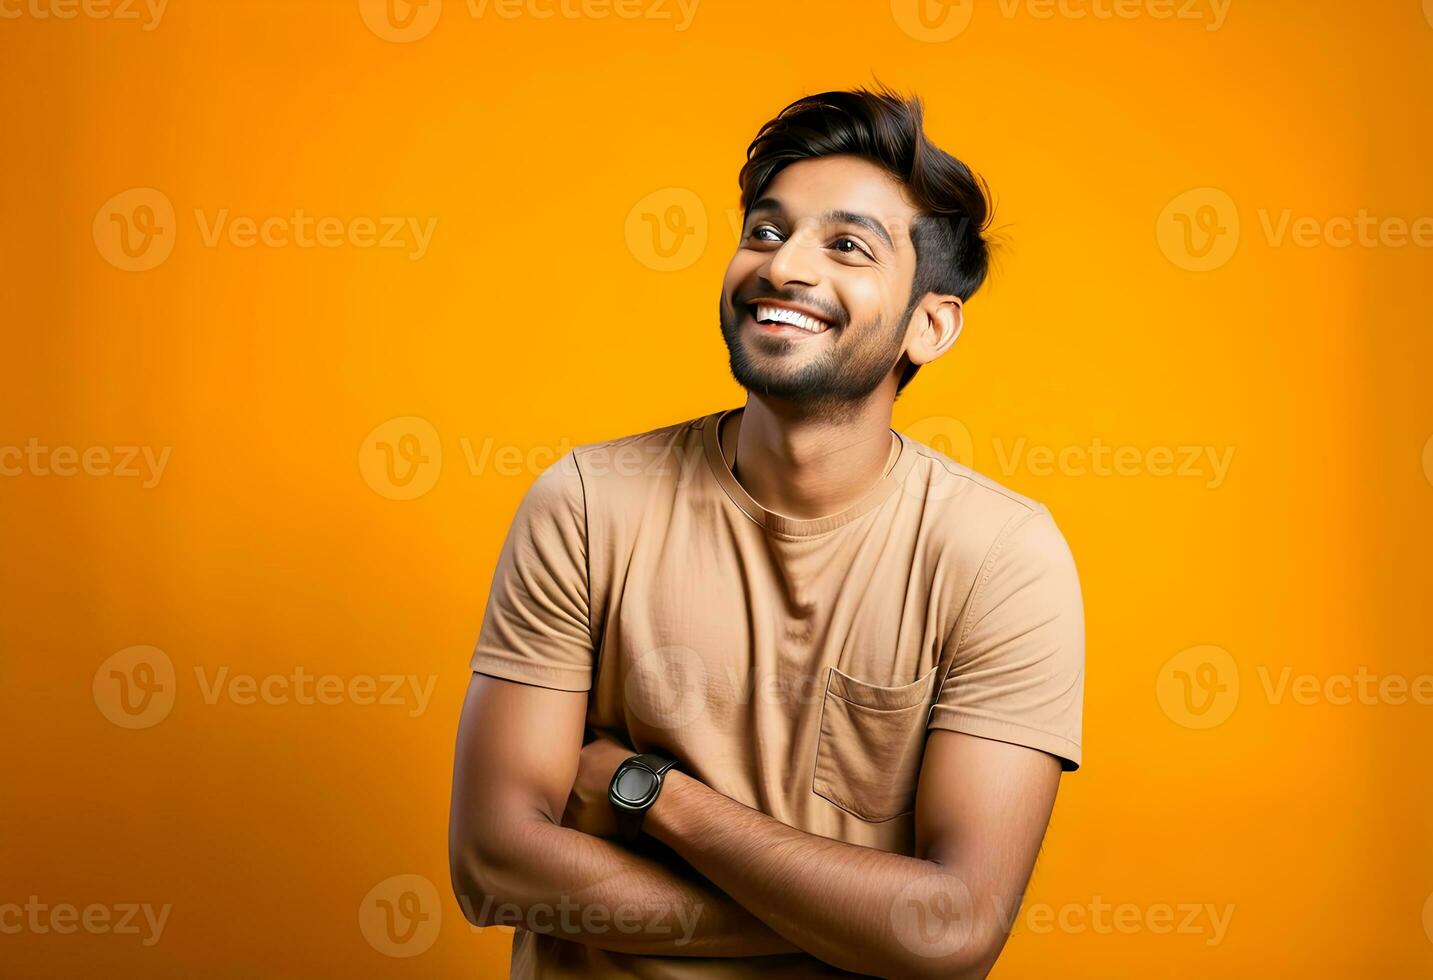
x,y
530,821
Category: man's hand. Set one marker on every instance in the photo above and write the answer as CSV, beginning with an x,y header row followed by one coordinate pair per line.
x,y
982,806
588,808
514,770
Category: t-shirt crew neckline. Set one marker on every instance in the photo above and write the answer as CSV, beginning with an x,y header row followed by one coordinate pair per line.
x,y
789,526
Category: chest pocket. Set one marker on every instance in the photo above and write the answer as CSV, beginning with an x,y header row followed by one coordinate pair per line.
x,y
869,751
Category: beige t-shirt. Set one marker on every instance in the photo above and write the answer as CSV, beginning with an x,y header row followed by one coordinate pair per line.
x,y
793,665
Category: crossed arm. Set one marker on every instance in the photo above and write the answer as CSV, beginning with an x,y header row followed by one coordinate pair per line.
x,y
528,837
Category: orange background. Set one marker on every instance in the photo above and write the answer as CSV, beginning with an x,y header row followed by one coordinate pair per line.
x,y
534,321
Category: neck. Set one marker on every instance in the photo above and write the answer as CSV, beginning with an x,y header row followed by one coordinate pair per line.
x,y
803,466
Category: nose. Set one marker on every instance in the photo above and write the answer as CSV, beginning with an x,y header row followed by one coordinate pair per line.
x,y
793,263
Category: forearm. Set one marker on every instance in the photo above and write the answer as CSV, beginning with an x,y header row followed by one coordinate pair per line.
x,y
556,880
857,908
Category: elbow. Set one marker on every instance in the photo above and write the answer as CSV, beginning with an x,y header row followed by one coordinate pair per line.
x,y
489,862
465,867
942,929
963,966
481,859
969,960
959,968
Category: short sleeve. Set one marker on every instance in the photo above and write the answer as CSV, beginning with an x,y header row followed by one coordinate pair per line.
x,y
535,625
1018,670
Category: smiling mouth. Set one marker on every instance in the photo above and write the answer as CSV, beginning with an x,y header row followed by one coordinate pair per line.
x,y
782,321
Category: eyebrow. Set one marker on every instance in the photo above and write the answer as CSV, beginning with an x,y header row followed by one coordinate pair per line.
x,y
832,216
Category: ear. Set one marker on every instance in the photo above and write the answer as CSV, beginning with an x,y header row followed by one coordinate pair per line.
x,y
935,324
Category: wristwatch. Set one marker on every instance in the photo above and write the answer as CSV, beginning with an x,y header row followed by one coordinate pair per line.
x,y
634,789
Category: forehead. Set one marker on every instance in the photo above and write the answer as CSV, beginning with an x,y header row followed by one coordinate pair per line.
x,y
808,188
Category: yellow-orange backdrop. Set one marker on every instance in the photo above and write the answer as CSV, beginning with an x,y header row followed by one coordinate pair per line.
x,y
241,238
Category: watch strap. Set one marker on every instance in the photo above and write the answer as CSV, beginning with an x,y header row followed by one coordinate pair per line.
x,y
658,764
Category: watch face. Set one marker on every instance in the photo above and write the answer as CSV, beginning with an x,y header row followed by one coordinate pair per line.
x,y
636,785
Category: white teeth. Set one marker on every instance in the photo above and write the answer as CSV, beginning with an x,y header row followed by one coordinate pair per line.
x,y
782,315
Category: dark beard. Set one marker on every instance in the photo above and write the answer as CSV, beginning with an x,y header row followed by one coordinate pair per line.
x,y
833,385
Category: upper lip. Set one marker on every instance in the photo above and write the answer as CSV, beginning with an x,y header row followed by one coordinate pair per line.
x,y
813,313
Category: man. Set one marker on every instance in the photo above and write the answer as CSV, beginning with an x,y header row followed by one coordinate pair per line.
x,y
853,668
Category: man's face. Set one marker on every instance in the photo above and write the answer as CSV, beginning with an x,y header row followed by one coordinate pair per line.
x,y
830,237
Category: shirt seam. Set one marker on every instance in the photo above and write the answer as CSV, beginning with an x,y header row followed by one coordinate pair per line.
x,y
1000,722
495,662
977,592
988,572
777,525
970,477
592,632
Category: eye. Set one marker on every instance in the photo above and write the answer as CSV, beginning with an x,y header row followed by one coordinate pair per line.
x,y
756,233
858,248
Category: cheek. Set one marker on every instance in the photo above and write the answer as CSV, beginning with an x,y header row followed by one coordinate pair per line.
x,y
739,270
865,301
